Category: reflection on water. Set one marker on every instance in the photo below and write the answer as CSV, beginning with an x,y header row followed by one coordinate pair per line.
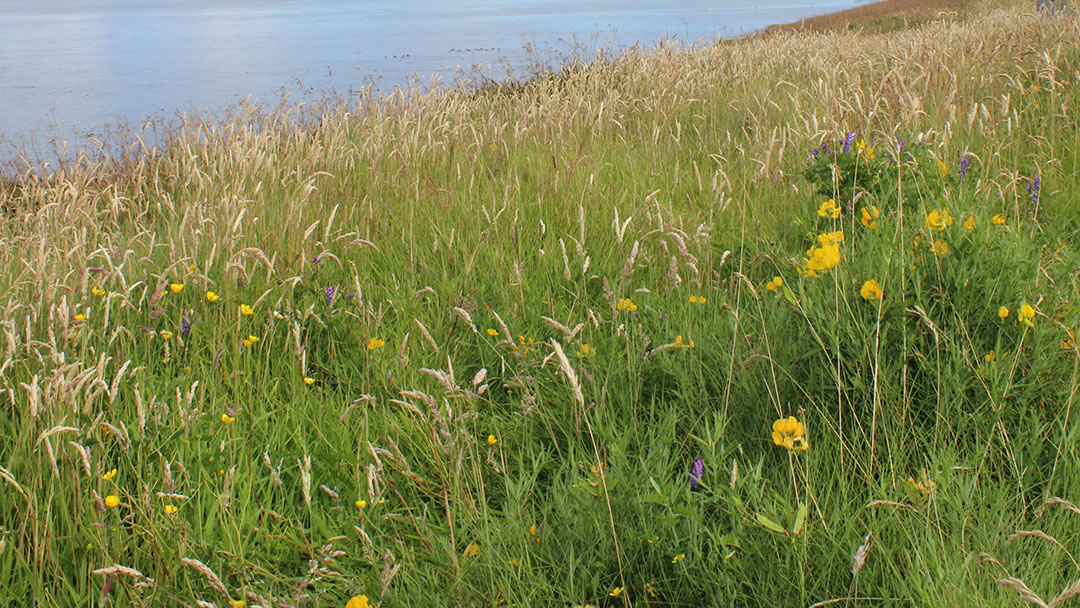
x,y
68,68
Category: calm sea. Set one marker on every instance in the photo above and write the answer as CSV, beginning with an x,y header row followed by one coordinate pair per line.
x,y
71,69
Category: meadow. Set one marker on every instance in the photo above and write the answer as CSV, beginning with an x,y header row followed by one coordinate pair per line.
x,y
781,321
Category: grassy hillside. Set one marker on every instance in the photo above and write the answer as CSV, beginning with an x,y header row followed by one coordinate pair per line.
x,y
539,344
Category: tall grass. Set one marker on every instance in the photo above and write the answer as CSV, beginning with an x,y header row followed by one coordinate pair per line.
x,y
492,331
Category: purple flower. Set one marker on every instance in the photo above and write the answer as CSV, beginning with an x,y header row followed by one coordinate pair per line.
x,y
315,260
814,152
351,296
900,145
697,470
1033,189
849,141
965,162
330,294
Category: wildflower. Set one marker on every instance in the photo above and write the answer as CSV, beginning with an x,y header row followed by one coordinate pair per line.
x,y
97,291
679,343
79,318
871,290
829,209
1033,189
237,603
850,139
308,380
869,216
330,294
678,558
938,219
652,590
941,248
212,297
697,299
176,287
969,224
697,470
900,145
185,323
830,238
472,550
616,592
492,332
246,310
112,501
1026,314
361,504
227,419
165,335
626,304
358,601
278,315
250,341
170,509
374,343
109,475
965,163
492,440
1003,313
822,259
789,433
924,487
943,168
774,284
997,220
584,351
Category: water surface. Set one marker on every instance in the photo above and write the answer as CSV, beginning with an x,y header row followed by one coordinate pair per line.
x,y
70,68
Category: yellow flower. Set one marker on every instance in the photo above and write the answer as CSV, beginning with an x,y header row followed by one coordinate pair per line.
x,y
871,290
943,167
278,315
789,433
238,603
938,219
358,601
472,550
80,317
829,209
822,259
1026,314
584,351
492,332
941,248
112,501
166,335
492,440
616,592
678,558
374,343
678,342
697,299
109,476
1003,313
227,419
830,238
361,504
308,380
176,287
869,216
998,220
97,291
969,224
250,341
246,310
626,304
170,509
774,284
212,297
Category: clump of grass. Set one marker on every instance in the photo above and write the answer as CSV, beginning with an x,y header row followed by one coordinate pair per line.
x,y
527,344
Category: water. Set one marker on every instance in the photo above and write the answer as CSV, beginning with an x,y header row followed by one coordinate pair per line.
x,y
71,68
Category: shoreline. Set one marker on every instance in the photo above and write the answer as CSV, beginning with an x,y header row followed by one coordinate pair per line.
x,y
876,17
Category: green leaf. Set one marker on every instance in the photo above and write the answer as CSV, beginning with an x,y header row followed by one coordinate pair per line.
x,y
800,519
790,296
770,524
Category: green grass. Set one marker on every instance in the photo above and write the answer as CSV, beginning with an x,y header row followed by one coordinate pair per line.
x,y
533,210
